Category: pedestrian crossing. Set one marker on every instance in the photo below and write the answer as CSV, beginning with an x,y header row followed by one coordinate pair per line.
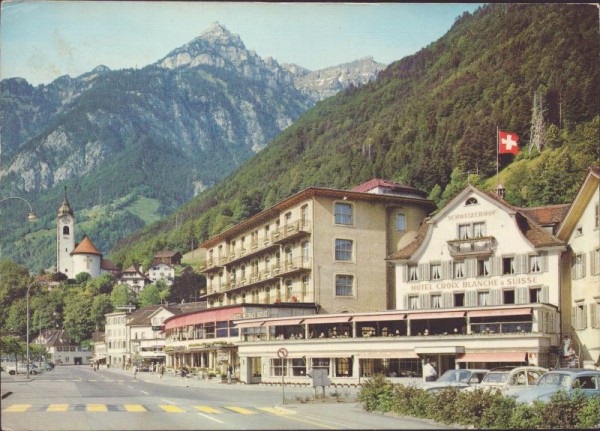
x,y
144,408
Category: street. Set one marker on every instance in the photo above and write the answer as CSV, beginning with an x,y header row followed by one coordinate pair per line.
x,y
77,398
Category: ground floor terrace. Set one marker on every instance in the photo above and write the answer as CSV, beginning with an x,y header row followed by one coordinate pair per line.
x,y
354,347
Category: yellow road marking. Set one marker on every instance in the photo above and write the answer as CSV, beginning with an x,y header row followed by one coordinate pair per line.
x,y
320,425
207,409
96,408
275,411
241,410
135,408
17,408
57,408
171,409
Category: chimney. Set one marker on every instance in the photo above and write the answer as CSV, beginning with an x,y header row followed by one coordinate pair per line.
x,y
500,191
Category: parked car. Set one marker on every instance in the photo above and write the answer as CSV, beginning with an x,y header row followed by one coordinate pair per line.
x,y
22,369
457,379
569,380
511,380
46,366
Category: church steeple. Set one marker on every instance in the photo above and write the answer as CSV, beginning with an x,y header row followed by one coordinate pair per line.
x,y
65,208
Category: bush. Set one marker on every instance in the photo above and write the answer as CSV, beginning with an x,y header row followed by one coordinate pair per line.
x,y
484,409
376,394
444,406
410,400
563,410
589,416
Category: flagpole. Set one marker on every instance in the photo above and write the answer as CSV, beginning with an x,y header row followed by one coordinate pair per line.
x,y
497,160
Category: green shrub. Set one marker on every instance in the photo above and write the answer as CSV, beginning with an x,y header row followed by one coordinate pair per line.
x,y
484,409
526,416
376,394
563,410
444,405
589,415
412,401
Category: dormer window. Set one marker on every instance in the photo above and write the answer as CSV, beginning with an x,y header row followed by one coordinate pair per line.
x,y
471,201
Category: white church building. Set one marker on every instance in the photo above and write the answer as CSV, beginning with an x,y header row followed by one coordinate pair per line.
x,y
72,258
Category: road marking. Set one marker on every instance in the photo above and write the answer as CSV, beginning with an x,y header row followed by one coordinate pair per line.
x,y
275,411
144,392
207,409
96,408
20,408
320,425
171,409
211,418
241,410
92,380
57,408
135,408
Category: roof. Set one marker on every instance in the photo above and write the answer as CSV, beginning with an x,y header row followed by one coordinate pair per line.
x,y
309,193
65,207
548,215
109,266
86,247
169,253
98,336
587,190
142,316
57,337
396,187
526,223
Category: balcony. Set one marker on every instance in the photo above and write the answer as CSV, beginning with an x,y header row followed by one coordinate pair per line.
x,y
481,246
290,231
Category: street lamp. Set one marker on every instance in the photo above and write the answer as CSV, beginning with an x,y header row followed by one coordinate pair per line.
x,y
28,287
32,216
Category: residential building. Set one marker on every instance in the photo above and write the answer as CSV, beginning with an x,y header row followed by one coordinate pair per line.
x,y
135,278
115,337
62,350
99,348
161,271
321,246
581,271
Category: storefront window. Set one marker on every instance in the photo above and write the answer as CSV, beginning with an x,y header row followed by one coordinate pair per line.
x,y
322,363
343,367
278,367
298,367
391,367
222,329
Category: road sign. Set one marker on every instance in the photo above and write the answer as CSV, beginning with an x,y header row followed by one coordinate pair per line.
x,y
282,353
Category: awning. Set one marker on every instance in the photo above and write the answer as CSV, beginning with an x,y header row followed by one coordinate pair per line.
x,y
283,322
500,312
379,317
397,354
327,320
436,315
493,357
254,324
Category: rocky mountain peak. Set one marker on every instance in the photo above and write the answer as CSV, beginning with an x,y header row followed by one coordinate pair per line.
x,y
217,34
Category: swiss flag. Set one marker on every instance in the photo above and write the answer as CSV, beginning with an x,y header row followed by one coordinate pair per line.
x,y
508,142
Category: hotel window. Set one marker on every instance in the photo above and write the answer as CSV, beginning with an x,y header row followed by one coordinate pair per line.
x,y
344,285
303,215
343,367
464,231
508,296
478,229
278,367
508,265
288,290
413,273
343,213
579,231
483,298
436,301
305,280
535,263
595,261
343,249
483,267
471,201
436,271
413,302
597,216
459,269
578,269
298,367
535,295
305,250
579,317
400,222
288,255
459,299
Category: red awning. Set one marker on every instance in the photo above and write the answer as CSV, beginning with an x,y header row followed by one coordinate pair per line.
x,y
283,322
500,312
396,354
379,317
254,324
436,315
338,319
493,357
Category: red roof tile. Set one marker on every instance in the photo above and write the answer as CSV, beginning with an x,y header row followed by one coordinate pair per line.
x,y
86,247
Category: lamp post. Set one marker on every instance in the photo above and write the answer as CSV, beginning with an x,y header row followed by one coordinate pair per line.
x,y
27,335
32,216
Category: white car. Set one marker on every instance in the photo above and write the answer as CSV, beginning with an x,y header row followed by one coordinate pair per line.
x,y
21,369
456,379
511,380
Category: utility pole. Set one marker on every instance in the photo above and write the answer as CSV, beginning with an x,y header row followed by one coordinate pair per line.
x,y
538,133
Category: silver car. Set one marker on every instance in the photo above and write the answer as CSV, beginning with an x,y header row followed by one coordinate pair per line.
x,y
586,382
512,380
456,379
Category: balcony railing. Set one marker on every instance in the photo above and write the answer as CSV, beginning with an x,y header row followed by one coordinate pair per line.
x,y
290,230
480,246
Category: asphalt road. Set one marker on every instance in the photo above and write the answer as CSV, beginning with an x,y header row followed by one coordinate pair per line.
x,y
77,398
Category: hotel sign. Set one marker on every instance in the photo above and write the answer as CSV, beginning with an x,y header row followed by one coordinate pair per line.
x,y
251,315
468,284
474,214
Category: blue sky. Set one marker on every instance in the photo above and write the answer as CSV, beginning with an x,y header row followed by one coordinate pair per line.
x,y
40,40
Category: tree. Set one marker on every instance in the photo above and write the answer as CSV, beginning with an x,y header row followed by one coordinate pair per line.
x,y
150,295
121,295
102,284
187,287
11,345
79,323
82,278
14,280
101,305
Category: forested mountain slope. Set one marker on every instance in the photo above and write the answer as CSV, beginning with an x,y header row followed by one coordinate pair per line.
x,y
428,120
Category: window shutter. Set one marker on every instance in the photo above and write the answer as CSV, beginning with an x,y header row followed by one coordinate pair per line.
x,y
574,318
405,272
545,295
447,265
496,297
425,300
471,268
593,316
583,264
544,262
522,261
584,317
447,300
522,295
592,264
497,265
424,271
471,298
573,269
405,302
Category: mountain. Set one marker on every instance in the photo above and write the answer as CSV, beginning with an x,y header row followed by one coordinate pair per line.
x,y
428,120
133,145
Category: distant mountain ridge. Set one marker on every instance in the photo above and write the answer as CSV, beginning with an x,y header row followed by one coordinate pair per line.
x,y
164,132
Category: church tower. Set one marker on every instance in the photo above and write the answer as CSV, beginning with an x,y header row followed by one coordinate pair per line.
x,y
65,238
